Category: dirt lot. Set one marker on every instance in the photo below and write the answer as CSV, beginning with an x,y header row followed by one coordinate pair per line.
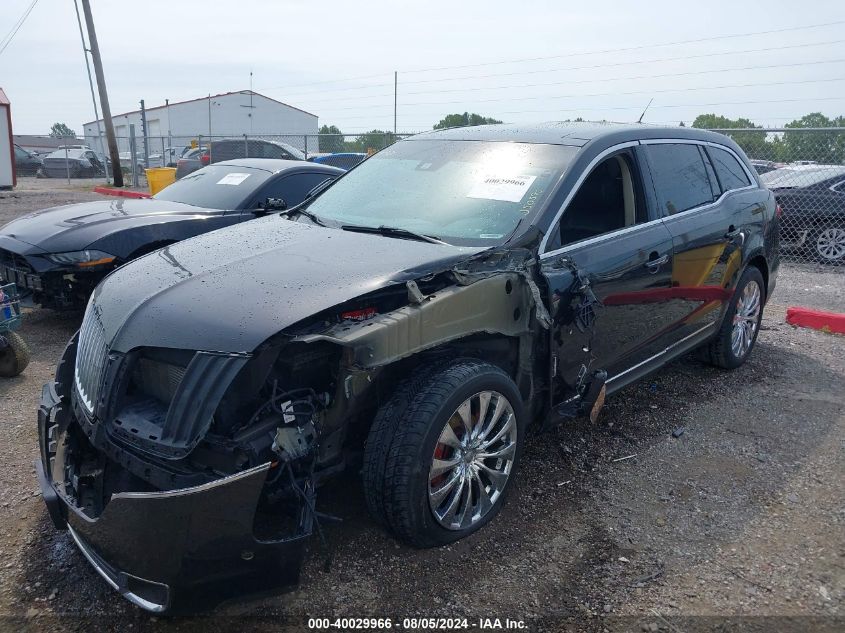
x,y
739,523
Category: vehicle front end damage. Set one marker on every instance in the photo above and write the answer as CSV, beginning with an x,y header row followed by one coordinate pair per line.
x,y
188,477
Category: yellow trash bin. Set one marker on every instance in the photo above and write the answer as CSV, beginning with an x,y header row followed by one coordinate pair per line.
x,y
159,177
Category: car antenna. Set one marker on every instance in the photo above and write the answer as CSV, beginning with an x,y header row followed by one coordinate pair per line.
x,y
640,120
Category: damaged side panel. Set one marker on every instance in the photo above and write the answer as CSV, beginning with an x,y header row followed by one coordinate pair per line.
x,y
498,304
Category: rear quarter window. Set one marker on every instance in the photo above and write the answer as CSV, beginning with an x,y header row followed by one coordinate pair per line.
x,y
679,175
730,173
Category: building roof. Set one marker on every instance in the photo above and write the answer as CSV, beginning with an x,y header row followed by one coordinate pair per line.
x,y
566,133
52,142
4,100
222,94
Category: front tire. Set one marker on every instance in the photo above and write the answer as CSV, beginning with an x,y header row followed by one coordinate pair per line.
x,y
737,335
442,452
14,357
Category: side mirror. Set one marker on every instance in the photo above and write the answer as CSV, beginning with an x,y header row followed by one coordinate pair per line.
x,y
274,204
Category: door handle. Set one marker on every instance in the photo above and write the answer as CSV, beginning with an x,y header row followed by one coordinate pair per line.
x,y
654,262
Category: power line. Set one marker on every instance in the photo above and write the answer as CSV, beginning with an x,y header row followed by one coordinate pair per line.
x,y
634,48
588,81
563,56
569,68
638,106
11,34
607,94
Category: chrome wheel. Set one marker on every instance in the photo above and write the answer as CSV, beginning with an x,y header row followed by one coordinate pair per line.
x,y
830,244
472,460
746,319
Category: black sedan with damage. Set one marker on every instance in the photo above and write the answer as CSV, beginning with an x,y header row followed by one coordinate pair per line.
x,y
60,254
413,323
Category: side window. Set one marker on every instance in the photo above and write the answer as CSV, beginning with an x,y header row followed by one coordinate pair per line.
x,y
680,176
274,151
20,154
730,173
609,199
292,189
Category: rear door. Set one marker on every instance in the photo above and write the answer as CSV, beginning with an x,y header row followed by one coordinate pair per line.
x,y
706,233
607,263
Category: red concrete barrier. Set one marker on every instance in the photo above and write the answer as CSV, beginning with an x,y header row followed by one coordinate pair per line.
x,y
123,193
816,319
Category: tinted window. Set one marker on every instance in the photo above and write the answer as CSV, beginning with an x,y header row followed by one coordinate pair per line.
x,y
680,176
216,187
730,173
292,189
794,177
609,199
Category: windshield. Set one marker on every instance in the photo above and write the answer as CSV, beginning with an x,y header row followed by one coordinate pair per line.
x,y
467,193
216,187
800,177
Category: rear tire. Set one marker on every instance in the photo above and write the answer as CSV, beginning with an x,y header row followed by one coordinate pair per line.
x,y
15,357
435,468
827,245
737,335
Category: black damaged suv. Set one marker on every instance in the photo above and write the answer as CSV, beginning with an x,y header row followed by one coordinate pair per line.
x,y
415,321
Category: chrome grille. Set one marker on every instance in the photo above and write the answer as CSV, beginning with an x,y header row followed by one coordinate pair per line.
x,y
91,355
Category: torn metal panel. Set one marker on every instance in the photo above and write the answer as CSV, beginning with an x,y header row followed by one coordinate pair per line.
x,y
497,304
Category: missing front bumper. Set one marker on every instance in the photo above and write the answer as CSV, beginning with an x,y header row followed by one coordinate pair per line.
x,y
172,551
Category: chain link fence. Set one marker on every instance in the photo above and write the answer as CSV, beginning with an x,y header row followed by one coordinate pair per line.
x,y
805,168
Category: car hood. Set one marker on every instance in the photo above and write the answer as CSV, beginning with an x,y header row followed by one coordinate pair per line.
x,y
232,289
74,227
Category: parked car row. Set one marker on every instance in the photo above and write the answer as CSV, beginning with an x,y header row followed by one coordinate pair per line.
x,y
61,254
412,320
229,149
812,200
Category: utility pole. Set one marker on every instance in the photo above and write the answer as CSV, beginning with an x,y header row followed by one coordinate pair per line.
x,y
146,136
85,52
104,97
395,92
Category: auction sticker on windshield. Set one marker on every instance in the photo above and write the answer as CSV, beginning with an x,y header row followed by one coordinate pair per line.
x,y
233,179
504,188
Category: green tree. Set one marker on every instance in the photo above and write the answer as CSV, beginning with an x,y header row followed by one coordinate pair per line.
x,y
755,144
372,140
463,120
331,139
61,130
819,146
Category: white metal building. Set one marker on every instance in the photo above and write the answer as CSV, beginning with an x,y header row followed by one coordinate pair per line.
x,y
228,114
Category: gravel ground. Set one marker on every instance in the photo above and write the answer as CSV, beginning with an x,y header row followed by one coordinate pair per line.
x,y
737,524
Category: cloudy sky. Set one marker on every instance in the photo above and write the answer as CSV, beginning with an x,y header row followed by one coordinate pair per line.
x,y
533,60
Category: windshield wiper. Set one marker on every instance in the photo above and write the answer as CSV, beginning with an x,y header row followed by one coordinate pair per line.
x,y
392,231
301,210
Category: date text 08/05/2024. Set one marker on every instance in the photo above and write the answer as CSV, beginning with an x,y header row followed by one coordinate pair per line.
x,y
383,624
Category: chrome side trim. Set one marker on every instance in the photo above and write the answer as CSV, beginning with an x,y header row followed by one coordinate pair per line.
x,y
586,172
162,494
600,238
659,354
133,598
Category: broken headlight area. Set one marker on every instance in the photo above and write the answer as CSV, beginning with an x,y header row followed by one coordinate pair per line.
x,y
230,516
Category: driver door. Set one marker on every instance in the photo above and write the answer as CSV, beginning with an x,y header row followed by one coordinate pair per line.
x,y
608,268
